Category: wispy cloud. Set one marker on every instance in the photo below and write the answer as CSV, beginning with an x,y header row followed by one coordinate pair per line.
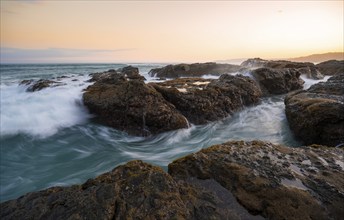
x,y
18,55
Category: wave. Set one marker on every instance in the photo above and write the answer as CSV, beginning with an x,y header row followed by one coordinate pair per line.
x,y
42,113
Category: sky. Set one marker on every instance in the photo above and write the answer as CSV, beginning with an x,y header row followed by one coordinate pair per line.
x,y
37,31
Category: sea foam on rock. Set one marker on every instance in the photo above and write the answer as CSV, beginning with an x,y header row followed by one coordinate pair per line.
x,y
309,69
316,115
234,180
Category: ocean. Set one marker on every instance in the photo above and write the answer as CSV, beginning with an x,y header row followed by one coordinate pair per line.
x,y
48,138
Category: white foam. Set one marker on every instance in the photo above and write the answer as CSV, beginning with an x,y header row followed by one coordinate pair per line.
x,y
201,83
41,113
310,82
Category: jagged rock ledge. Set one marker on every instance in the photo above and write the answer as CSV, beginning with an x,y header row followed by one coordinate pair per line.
x,y
124,101
234,180
316,115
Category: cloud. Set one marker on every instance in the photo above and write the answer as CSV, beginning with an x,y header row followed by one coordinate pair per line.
x,y
17,55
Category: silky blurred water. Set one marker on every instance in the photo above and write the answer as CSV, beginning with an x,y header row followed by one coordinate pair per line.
x,y
48,138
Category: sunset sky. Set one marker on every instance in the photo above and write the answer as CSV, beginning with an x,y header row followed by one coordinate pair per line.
x,y
35,31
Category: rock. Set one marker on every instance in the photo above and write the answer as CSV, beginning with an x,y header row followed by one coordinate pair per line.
x,y
39,85
204,100
274,181
234,180
131,106
316,115
132,73
194,70
277,81
331,67
309,69
135,190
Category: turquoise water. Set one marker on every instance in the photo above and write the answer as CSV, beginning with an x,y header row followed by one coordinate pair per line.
x,y
48,138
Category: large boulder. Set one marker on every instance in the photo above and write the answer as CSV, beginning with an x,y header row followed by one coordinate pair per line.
x,y
135,190
274,181
204,100
316,115
331,67
277,81
309,69
194,70
125,102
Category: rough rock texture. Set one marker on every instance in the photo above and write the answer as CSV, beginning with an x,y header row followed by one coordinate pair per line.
x,y
204,100
331,67
316,115
235,180
194,70
135,190
125,102
39,85
278,81
274,181
309,69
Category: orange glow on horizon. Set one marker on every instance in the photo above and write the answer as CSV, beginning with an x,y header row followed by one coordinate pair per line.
x,y
174,31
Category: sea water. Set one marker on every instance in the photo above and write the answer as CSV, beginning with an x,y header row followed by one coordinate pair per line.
x,y
48,138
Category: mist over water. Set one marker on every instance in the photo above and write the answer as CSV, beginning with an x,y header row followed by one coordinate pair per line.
x,y
48,138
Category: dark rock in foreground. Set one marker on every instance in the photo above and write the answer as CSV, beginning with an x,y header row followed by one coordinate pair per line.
x,y
274,181
205,100
125,102
316,115
309,69
194,70
278,81
39,85
331,67
235,180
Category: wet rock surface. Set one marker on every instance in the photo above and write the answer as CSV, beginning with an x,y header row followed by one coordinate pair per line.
x,y
135,190
204,100
274,181
234,180
309,69
331,67
125,102
316,115
39,84
194,70
278,81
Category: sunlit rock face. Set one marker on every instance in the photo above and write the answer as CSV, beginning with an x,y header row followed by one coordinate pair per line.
x,y
316,115
271,180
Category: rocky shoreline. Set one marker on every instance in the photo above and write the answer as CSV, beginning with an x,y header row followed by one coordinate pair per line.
x,y
233,180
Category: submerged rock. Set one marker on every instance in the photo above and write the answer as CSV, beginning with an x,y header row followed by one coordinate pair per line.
x,y
40,84
204,100
331,67
235,180
194,70
274,181
278,81
316,115
125,102
309,69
